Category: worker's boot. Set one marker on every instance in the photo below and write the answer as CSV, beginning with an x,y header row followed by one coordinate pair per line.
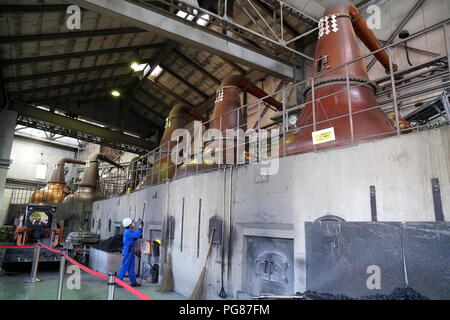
x,y
134,285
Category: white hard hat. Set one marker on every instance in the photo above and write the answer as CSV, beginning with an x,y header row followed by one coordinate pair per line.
x,y
127,222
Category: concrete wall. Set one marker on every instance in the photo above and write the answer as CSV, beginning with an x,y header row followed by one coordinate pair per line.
x,y
8,121
307,187
26,155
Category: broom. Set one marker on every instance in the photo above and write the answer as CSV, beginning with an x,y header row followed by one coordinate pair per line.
x,y
167,282
198,290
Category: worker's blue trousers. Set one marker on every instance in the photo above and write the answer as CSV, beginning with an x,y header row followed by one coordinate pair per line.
x,y
128,266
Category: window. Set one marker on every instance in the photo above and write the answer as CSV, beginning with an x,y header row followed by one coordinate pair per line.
x,y
109,225
41,171
99,224
155,73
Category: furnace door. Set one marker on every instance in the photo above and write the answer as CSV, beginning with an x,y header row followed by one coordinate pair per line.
x,y
269,267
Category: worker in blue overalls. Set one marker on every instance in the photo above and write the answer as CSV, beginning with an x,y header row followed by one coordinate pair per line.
x,y
129,238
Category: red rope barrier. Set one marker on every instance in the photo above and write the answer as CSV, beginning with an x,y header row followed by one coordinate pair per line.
x,y
127,287
16,247
132,290
82,267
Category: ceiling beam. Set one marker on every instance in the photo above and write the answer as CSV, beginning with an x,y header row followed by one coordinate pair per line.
x,y
189,34
80,126
66,72
68,35
78,95
145,106
169,92
79,54
21,93
399,28
154,98
184,81
3,92
34,8
196,65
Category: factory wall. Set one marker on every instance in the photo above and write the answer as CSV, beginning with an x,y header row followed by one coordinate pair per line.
x,y
26,155
307,187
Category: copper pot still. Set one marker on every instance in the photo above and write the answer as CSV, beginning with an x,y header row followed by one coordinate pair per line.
x,y
337,45
56,189
227,115
162,168
87,190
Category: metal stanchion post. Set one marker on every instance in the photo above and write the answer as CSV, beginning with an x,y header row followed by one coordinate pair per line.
x,y
111,285
62,269
34,266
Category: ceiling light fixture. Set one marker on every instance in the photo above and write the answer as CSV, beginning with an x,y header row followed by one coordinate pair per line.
x,y
115,93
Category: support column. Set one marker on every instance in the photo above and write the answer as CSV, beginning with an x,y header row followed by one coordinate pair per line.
x,y
8,122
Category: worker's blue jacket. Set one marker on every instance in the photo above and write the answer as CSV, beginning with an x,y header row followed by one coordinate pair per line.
x,y
129,238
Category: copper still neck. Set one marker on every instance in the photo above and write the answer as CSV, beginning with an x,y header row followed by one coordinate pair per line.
x,y
90,177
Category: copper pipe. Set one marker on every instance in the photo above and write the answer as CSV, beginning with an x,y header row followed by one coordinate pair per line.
x,y
58,174
367,36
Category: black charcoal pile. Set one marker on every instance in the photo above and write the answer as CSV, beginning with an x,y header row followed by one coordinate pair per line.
x,y
405,293
113,244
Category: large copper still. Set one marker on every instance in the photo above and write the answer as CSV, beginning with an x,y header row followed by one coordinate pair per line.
x,y
337,45
56,189
162,166
87,190
227,115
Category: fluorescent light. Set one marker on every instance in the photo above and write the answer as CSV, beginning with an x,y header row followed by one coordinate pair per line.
x,y
203,20
182,14
192,16
156,73
138,67
115,93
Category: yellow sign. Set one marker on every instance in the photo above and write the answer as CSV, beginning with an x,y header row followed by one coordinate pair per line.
x,y
323,136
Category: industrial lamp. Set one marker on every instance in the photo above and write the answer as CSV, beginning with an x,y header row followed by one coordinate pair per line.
x,y
115,93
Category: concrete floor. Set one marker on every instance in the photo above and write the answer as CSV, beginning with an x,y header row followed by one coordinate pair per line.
x,y
92,288
15,288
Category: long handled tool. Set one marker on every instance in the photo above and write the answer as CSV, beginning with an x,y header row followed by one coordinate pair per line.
x,y
199,287
140,255
167,282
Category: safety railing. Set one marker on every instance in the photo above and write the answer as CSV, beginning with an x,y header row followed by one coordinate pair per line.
x,y
399,93
21,195
111,279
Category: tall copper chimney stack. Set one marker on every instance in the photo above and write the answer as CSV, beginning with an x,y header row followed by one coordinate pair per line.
x,y
337,44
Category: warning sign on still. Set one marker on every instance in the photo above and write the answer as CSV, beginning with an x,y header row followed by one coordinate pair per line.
x,y
323,136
